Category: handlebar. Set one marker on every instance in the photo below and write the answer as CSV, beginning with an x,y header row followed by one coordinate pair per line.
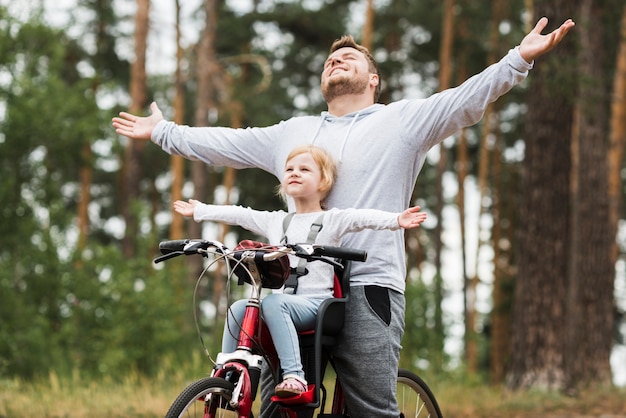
x,y
175,248
344,253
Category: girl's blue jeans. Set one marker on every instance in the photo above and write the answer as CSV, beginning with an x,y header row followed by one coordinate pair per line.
x,y
284,315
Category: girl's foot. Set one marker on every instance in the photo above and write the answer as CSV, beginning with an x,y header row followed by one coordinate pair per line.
x,y
290,386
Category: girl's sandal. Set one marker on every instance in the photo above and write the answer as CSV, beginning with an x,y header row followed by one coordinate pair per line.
x,y
290,386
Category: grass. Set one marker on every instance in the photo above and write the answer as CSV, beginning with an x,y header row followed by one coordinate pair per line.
x,y
75,398
137,396
483,401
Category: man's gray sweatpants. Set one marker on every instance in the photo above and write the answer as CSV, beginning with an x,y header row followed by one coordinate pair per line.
x,y
367,353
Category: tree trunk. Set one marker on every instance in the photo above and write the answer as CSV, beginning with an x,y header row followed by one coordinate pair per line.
x,y
541,287
86,177
132,165
462,168
500,332
228,182
208,70
617,136
589,308
445,72
368,27
502,264
177,163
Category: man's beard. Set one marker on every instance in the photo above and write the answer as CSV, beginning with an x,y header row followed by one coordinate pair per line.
x,y
341,86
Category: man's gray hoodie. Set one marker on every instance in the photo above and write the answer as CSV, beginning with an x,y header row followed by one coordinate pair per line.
x,y
379,150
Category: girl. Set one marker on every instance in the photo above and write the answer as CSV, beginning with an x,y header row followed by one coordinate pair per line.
x,y
308,177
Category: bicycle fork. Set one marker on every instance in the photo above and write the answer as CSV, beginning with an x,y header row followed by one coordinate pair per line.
x,y
242,367
243,370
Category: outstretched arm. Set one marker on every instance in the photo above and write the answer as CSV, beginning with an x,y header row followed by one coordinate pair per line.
x,y
411,218
137,127
535,44
185,208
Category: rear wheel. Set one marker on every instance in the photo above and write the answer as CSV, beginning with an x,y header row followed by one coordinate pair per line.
x,y
415,399
194,400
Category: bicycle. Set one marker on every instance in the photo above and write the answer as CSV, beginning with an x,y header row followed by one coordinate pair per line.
x,y
231,389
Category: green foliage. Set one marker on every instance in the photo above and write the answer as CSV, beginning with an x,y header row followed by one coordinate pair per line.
x,y
123,312
102,314
60,310
63,308
422,340
42,126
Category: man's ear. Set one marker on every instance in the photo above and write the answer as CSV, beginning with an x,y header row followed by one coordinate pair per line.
x,y
374,79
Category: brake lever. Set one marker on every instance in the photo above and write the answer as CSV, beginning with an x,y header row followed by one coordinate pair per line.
x,y
303,250
168,256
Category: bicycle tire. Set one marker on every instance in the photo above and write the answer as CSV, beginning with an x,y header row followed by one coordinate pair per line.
x,y
190,403
415,399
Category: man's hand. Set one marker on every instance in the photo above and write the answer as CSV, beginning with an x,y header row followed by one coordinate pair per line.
x,y
137,127
535,44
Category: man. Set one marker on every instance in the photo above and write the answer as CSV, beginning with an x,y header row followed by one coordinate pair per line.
x,y
380,150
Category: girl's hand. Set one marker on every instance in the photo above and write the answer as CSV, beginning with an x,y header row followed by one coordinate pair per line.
x,y
411,218
185,208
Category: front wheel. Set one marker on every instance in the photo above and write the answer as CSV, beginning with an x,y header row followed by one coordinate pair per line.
x,y
415,399
195,402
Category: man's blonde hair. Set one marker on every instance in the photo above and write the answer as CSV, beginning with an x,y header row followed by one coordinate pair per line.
x,y
324,161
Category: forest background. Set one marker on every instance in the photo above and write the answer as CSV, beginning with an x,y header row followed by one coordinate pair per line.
x,y
518,278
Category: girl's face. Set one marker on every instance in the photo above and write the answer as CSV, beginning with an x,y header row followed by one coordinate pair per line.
x,y
302,177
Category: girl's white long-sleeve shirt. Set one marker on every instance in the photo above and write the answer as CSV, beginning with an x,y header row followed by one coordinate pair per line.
x,y
336,223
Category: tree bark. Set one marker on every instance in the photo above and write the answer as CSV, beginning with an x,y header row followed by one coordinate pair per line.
x,y
541,287
502,263
132,166
86,178
445,74
590,304
500,314
177,163
208,70
617,135
368,27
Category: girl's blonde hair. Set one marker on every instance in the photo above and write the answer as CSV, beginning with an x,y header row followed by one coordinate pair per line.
x,y
324,161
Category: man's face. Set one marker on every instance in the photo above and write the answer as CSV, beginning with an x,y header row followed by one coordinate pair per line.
x,y
346,71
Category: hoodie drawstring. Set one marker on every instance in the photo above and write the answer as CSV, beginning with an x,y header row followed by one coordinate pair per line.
x,y
345,139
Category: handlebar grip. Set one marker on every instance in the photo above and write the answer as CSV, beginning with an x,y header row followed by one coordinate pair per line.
x,y
342,252
172,246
